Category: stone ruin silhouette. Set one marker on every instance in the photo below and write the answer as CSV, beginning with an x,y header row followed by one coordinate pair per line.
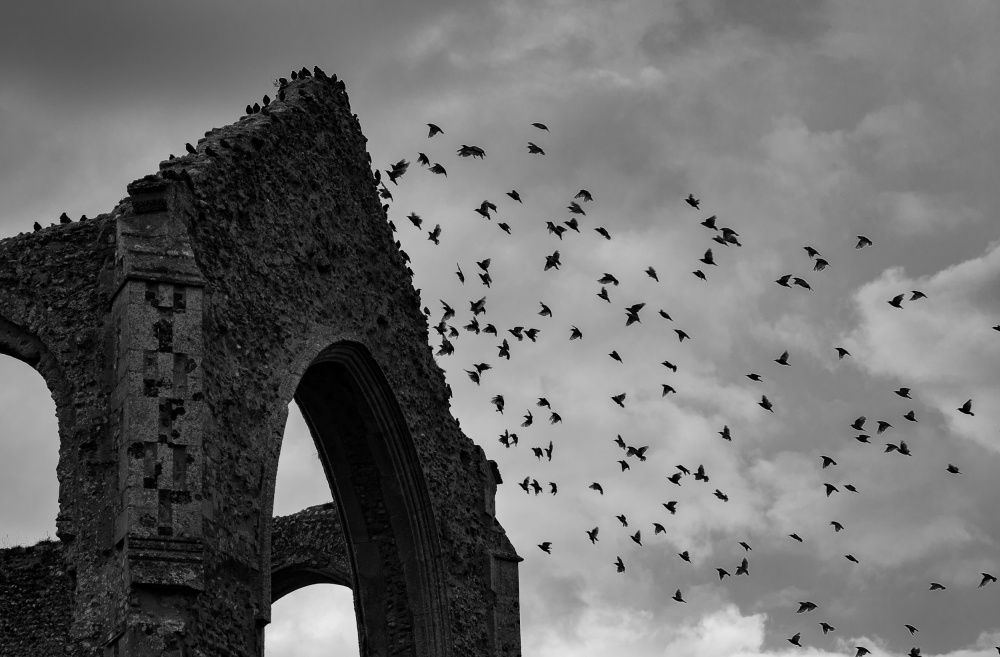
x,y
173,333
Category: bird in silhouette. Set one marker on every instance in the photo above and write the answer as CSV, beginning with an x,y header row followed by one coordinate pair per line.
x,y
850,557
708,259
862,651
675,478
841,352
681,335
541,126
537,451
36,227
897,301
685,556
911,628
437,168
700,274
800,282
917,294
575,333
669,365
862,242
474,376
639,452
658,528
608,279
548,451
862,438
573,224
632,313
784,280
531,334
827,461
603,294
575,208
623,520
505,227
546,547
619,399
836,525
796,537
937,587
435,234
552,261
966,408
603,232
471,151
423,160
692,201
677,596
811,251
851,488
514,195
710,223
545,311
882,426
765,403
596,486
795,639
592,533
903,392
725,433
535,485
433,130
953,469
664,314
671,506
743,568
806,606
700,475
552,485
64,218
534,148
190,149
987,578
722,496
652,274
722,573
543,402
620,564
830,489
625,465
754,377
820,264
782,359
859,423
826,627
637,537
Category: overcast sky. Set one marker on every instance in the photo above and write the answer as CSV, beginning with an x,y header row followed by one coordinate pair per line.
x,y
795,123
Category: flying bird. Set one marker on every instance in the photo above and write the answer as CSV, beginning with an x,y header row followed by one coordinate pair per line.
x,y
433,130
784,280
722,573
435,234
681,335
859,423
708,259
592,533
862,242
575,333
800,282
903,392
700,274
552,261
533,148
966,408
882,426
806,606
619,399
614,355
953,469
710,223
623,520
743,568
826,627
836,525
795,639
830,489
541,126
633,313
671,507
546,547
603,232
669,365
827,461
754,377
796,537
603,294
765,403
677,596
811,251
746,547
851,557
514,195
545,311
987,578
608,278
692,201
841,352
725,433
637,537
652,274
437,168
917,294
620,564
596,486
937,587
423,160
575,208
625,465
820,265
585,195
897,301
782,359
911,628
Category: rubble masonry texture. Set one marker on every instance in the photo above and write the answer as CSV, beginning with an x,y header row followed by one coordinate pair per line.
x,y
173,333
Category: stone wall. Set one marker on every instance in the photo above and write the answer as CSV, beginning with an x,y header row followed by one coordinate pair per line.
x,y
174,332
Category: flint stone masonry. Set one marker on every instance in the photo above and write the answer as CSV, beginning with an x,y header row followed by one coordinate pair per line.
x,y
173,333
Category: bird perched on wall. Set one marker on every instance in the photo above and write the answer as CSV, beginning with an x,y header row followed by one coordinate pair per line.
x,y
190,149
64,218
37,227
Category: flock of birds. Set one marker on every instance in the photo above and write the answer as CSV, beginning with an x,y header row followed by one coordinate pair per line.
x,y
724,236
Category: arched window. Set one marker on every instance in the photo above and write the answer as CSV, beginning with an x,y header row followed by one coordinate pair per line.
x,y
29,444
313,608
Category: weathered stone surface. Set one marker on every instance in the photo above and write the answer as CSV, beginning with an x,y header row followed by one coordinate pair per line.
x,y
174,332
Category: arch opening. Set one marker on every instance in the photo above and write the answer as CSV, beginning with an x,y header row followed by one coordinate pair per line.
x,y
388,525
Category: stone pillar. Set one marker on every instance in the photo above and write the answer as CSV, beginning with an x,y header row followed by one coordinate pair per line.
x,y
156,409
